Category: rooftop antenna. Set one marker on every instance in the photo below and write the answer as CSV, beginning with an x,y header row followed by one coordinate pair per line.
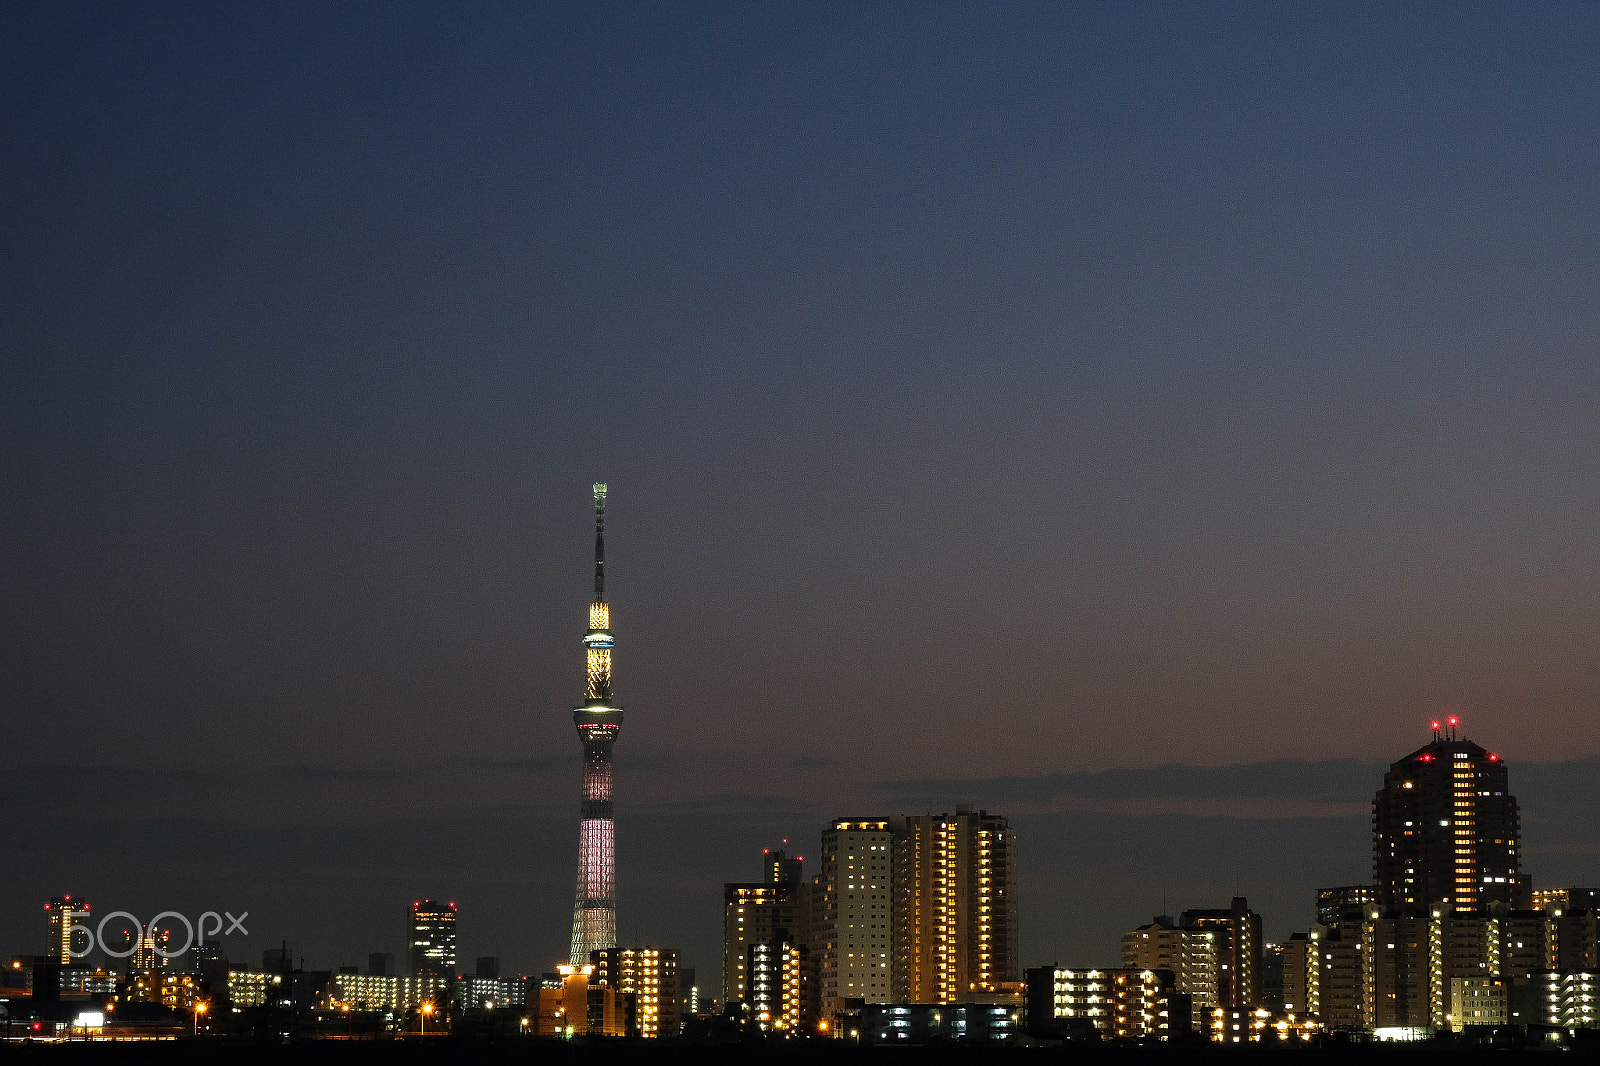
x,y
599,542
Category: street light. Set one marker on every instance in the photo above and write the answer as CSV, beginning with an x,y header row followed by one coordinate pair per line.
x,y
427,1009
199,1009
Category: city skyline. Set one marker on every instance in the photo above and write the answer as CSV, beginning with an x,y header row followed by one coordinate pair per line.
x,y
1133,420
417,945
1450,935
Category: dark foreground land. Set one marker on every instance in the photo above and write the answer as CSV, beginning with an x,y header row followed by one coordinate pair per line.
x,y
825,1053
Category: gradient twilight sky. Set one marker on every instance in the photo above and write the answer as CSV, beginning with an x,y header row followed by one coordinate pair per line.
x,y
986,392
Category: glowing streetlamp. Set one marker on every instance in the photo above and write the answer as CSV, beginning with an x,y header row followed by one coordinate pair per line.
x,y
427,1009
199,1009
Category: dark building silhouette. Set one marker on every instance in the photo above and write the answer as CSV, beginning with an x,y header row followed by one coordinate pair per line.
x,y
1347,903
1446,831
433,939
61,914
762,913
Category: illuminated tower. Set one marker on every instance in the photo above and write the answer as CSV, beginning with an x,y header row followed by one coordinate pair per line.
x,y
594,911
1445,830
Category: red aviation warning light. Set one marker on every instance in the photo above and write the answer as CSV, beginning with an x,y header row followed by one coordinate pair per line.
x,y
1435,725
1493,757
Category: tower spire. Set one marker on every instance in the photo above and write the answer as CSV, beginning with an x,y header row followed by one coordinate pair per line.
x,y
599,542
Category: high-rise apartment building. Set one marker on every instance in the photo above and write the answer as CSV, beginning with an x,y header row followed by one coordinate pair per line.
x,y
1446,829
61,913
1190,954
1444,930
1300,957
1238,952
954,908
759,912
433,939
650,977
851,911
776,998
152,952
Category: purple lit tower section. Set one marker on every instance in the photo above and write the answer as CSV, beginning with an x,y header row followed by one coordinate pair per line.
x,y
594,911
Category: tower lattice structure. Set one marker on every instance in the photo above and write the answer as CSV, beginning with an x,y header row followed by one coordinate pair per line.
x,y
594,909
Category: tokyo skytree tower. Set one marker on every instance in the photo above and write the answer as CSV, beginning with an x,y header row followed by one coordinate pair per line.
x,y
594,911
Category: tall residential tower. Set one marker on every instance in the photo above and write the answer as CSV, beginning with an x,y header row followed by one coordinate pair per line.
x,y
63,913
432,940
955,907
1445,830
594,911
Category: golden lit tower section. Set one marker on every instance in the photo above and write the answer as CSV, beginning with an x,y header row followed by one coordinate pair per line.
x,y
594,911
